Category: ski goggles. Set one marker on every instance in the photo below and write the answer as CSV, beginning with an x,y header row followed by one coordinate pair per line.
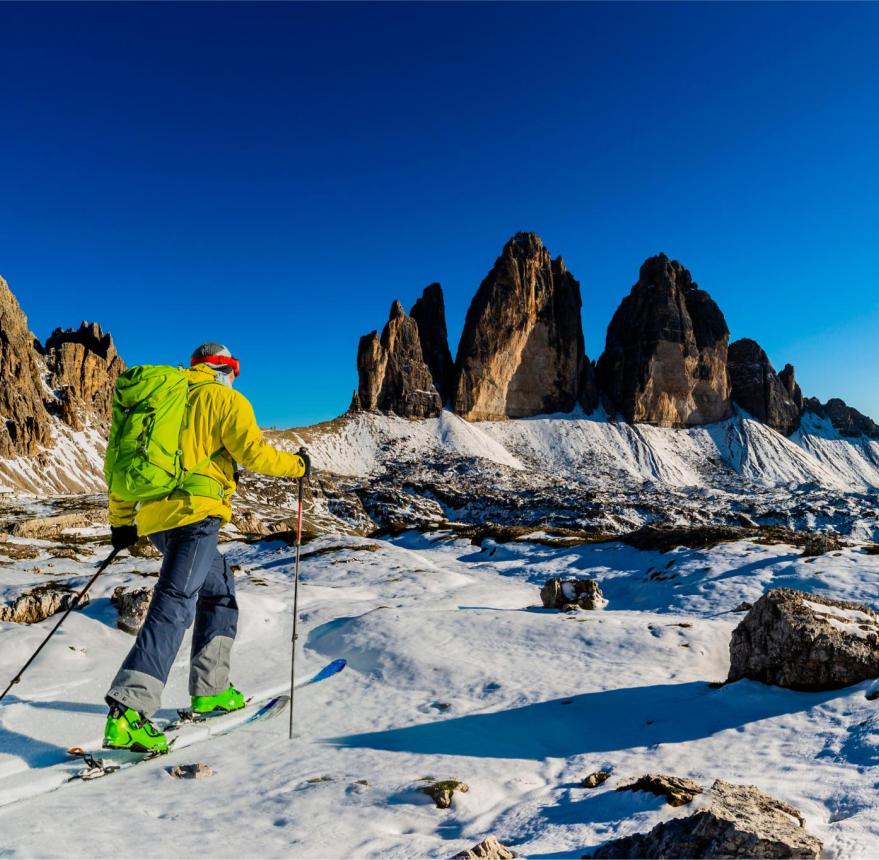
x,y
224,360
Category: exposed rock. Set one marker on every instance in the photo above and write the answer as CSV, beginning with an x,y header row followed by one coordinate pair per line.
x,y
758,389
788,379
39,603
132,605
429,313
443,790
355,405
590,395
248,523
53,527
521,351
144,548
846,419
805,642
665,358
10,549
24,425
595,779
560,593
191,771
677,790
821,543
84,365
736,821
396,510
393,374
488,849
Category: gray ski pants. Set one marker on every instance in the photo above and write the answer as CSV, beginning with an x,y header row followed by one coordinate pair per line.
x,y
195,584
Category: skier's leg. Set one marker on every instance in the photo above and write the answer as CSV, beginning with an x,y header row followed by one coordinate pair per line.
x,y
188,553
216,622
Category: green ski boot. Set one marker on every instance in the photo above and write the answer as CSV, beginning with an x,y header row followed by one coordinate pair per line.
x,y
126,729
228,700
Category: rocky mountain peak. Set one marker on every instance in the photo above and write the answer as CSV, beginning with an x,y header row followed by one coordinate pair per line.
x,y
393,376
758,389
665,356
83,367
521,351
429,313
846,419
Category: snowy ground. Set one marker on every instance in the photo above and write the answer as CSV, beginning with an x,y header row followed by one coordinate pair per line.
x,y
454,671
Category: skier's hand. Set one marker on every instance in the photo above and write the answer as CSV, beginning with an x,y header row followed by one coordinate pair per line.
x,y
306,461
123,537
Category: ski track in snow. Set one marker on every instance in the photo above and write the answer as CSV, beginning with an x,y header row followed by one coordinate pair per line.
x,y
454,671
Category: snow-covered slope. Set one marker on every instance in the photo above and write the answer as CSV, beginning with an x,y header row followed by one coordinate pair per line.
x,y
594,450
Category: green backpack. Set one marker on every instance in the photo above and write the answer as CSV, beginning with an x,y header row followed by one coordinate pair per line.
x,y
143,460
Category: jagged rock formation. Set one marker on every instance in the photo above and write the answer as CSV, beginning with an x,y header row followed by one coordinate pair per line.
x,y
521,351
132,605
488,849
758,389
39,603
737,821
844,418
805,642
429,313
665,358
393,374
72,378
677,790
83,365
24,424
788,379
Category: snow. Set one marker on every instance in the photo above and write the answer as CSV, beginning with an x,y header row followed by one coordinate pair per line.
x,y
454,671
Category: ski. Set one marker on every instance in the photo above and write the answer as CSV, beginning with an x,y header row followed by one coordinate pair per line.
x,y
189,731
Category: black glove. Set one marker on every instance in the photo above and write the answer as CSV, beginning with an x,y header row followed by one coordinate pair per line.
x,y
123,537
306,461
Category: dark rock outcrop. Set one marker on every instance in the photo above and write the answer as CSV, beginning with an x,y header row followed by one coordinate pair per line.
x,y
805,642
521,351
429,313
665,357
442,791
25,425
737,821
788,379
578,593
132,605
83,365
759,390
846,419
393,374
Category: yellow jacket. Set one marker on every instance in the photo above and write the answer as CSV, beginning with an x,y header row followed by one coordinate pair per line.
x,y
221,423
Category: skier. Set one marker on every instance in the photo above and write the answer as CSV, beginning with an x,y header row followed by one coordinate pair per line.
x,y
195,583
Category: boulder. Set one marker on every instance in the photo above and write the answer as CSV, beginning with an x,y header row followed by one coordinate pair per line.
x,y
443,790
199,770
677,790
38,603
53,527
488,849
393,374
25,427
735,821
579,593
248,523
83,366
595,779
759,390
132,605
805,642
429,313
665,357
846,419
521,350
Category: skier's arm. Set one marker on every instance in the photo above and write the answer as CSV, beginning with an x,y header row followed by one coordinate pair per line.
x,y
121,512
242,438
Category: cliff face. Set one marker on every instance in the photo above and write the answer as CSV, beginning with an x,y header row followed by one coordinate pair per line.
x,y
757,388
429,313
72,377
24,422
846,419
521,351
394,376
83,366
665,357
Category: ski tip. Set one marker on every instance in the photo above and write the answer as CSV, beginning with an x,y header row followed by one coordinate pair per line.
x,y
76,751
331,669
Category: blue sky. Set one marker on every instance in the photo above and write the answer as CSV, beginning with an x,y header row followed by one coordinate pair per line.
x,y
272,176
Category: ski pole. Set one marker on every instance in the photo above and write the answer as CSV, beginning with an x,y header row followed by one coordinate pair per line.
x,y
73,605
296,597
